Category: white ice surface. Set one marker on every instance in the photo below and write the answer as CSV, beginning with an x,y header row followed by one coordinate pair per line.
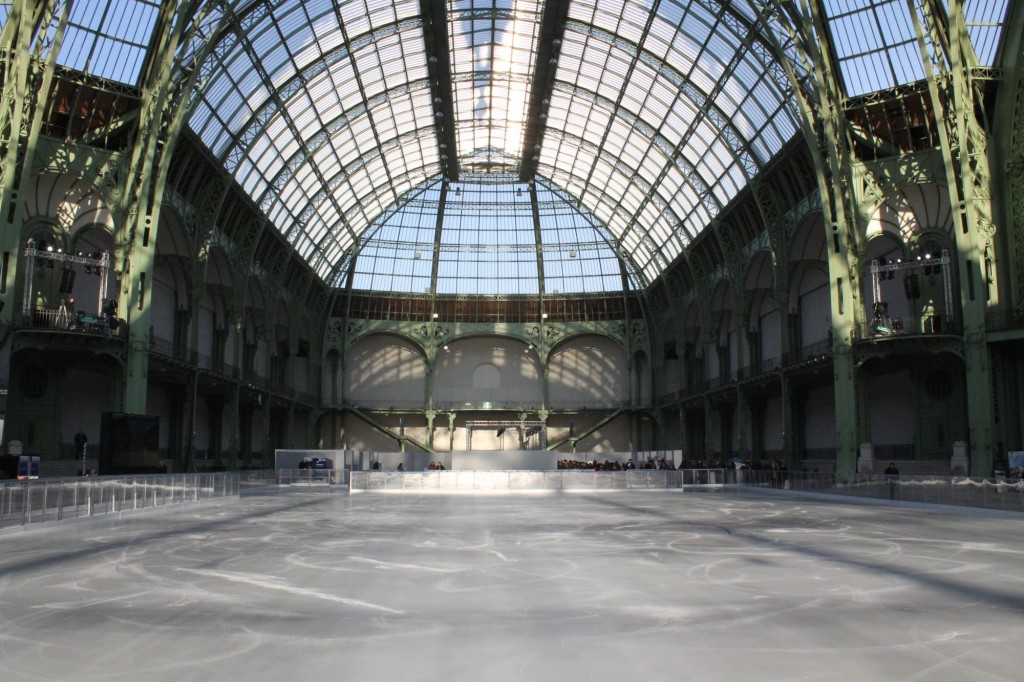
x,y
630,586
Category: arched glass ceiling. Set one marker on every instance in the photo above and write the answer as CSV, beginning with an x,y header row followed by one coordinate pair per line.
x,y
487,235
651,115
652,119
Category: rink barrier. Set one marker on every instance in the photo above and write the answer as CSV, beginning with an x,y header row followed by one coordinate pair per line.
x,y
54,500
562,479
955,491
308,478
996,493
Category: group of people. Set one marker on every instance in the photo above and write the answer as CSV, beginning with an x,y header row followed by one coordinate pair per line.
x,y
659,463
433,466
608,465
775,466
595,465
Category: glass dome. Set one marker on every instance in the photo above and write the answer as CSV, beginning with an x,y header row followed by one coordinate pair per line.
x,y
487,235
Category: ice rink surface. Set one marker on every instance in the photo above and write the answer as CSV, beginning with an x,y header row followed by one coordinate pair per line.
x,y
631,586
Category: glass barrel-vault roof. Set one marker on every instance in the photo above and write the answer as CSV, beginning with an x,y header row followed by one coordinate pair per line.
x,y
647,117
328,113
487,235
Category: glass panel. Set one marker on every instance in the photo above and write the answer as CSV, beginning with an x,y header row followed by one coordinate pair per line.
x,y
986,20
875,43
109,38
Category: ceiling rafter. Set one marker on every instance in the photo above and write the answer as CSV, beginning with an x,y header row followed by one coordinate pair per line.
x,y
552,30
436,42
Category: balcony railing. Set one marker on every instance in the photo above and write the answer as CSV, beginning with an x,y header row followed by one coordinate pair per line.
x,y
818,349
65,320
1002,320
208,363
894,327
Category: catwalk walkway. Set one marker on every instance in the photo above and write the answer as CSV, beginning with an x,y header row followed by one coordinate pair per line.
x,y
323,585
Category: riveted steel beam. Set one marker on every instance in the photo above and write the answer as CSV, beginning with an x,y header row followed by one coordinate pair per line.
x,y
549,40
435,38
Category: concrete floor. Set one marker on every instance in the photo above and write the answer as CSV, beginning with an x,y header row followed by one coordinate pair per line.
x,y
639,586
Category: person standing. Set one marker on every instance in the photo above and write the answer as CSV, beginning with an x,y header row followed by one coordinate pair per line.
x,y
893,475
81,440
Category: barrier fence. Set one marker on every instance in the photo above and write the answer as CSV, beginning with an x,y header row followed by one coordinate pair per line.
x,y
292,477
958,491
563,479
24,503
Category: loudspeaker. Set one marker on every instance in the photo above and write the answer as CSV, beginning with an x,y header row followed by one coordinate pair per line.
x,y
911,286
67,281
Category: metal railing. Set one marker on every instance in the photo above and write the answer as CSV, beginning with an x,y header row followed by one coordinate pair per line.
x,y
66,320
908,325
25,503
